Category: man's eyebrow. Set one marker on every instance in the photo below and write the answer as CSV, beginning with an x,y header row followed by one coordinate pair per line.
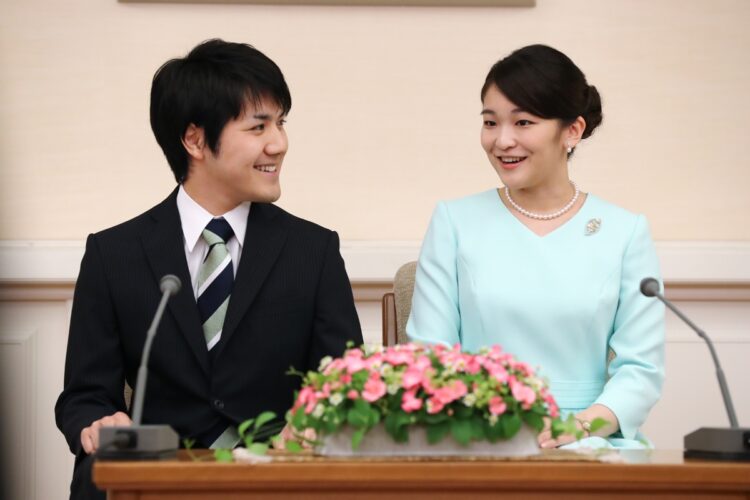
x,y
262,116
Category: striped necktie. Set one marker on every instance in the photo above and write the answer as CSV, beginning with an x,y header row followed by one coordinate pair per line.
x,y
215,280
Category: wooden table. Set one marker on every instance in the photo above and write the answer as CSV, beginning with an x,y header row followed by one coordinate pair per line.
x,y
656,474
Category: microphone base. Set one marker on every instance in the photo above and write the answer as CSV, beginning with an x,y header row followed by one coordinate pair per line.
x,y
718,443
138,442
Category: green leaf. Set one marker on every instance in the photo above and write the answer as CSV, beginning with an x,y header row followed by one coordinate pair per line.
x,y
188,443
357,437
511,424
299,419
223,455
437,432
436,418
597,424
462,411
477,428
242,429
258,448
461,430
357,418
263,419
293,446
494,432
534,421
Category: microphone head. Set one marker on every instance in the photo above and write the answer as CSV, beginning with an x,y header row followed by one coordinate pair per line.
x,y
650,287
170,283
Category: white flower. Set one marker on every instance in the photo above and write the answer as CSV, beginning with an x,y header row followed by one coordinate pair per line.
x,y
318,411
393,388
369,349
493,419
469,399
386,370
325,362
336,398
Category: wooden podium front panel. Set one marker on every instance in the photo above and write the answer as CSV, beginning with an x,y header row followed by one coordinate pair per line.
x,y
657,475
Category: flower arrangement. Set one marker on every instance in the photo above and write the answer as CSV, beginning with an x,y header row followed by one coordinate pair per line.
x,y
484,396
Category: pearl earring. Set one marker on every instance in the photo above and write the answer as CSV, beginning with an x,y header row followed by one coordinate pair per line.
x,y
569,149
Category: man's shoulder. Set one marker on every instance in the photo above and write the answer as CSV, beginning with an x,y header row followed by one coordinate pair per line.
x,y
293,223
131,228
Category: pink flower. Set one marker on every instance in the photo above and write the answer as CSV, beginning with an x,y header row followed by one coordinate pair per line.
x,y
374,388
352,394
523,393
434,405
354,361
450,393
412,377
497,405
410,402
397,357
307,399
497,371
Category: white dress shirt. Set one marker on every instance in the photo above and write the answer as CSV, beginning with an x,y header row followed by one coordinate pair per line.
x,y
194,219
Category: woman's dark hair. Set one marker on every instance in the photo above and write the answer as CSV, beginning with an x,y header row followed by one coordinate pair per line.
x,y
546,83
208,88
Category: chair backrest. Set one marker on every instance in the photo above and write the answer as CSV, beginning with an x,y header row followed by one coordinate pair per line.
x,y
397,305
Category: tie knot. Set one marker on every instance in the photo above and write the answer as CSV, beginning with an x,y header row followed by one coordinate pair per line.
x,y
218,230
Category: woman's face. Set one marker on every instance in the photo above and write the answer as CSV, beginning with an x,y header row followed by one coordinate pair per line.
x,y
525,150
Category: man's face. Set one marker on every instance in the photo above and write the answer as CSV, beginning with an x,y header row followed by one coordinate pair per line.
x,y
247,163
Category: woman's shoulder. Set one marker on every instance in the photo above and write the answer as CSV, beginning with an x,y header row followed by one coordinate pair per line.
x,y
622,220
474,202
611,211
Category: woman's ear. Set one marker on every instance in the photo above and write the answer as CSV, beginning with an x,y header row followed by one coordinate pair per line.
x,y
193,140
574,132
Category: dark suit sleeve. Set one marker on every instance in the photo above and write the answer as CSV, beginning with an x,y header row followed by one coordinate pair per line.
x,y
336,320
93,383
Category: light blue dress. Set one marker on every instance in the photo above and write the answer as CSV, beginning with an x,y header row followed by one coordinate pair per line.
x,y
558,302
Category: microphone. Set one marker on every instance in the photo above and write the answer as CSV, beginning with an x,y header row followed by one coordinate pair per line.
x,y
715,443
139,442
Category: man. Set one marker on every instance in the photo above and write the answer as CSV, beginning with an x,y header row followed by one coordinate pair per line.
x,y
262,290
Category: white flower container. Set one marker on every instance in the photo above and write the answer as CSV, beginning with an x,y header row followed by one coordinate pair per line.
x,y
378,443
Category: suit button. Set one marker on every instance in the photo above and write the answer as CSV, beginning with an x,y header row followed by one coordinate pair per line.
x,y
218,404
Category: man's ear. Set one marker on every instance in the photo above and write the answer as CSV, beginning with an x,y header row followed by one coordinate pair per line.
x,y
193,140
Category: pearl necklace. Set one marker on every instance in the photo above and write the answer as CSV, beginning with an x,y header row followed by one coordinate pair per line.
x,y
549,216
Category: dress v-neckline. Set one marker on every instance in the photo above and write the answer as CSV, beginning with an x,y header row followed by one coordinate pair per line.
x,y
530,231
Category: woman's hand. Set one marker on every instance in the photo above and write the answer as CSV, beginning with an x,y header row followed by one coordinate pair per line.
x,y
546,440
590,414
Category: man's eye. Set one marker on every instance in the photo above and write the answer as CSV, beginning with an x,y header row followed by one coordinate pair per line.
x,y
259,128
282,122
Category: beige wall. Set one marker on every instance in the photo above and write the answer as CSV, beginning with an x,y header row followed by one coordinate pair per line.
x,y
385,117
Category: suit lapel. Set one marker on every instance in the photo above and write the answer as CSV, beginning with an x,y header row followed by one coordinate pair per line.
x,y
264,239
164,247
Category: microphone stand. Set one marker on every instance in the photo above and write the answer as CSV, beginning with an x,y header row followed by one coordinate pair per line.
x,y
143,442
713,443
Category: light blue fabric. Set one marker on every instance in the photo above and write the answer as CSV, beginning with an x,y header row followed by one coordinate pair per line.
x,y
557,302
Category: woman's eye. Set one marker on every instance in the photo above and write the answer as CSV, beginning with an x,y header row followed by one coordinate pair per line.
x,y
523,123
282,122
489,123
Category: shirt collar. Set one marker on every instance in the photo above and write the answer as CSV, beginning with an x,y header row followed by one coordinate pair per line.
x,y
194,219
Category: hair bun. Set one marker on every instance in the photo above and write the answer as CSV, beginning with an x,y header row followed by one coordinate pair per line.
x,y
593,111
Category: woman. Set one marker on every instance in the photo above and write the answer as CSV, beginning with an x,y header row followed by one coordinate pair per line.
x,y
546,271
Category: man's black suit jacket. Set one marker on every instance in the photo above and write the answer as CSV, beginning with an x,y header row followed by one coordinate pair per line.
x,y
291,305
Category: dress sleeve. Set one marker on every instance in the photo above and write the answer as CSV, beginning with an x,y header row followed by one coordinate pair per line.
x,y
637,371
435,316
